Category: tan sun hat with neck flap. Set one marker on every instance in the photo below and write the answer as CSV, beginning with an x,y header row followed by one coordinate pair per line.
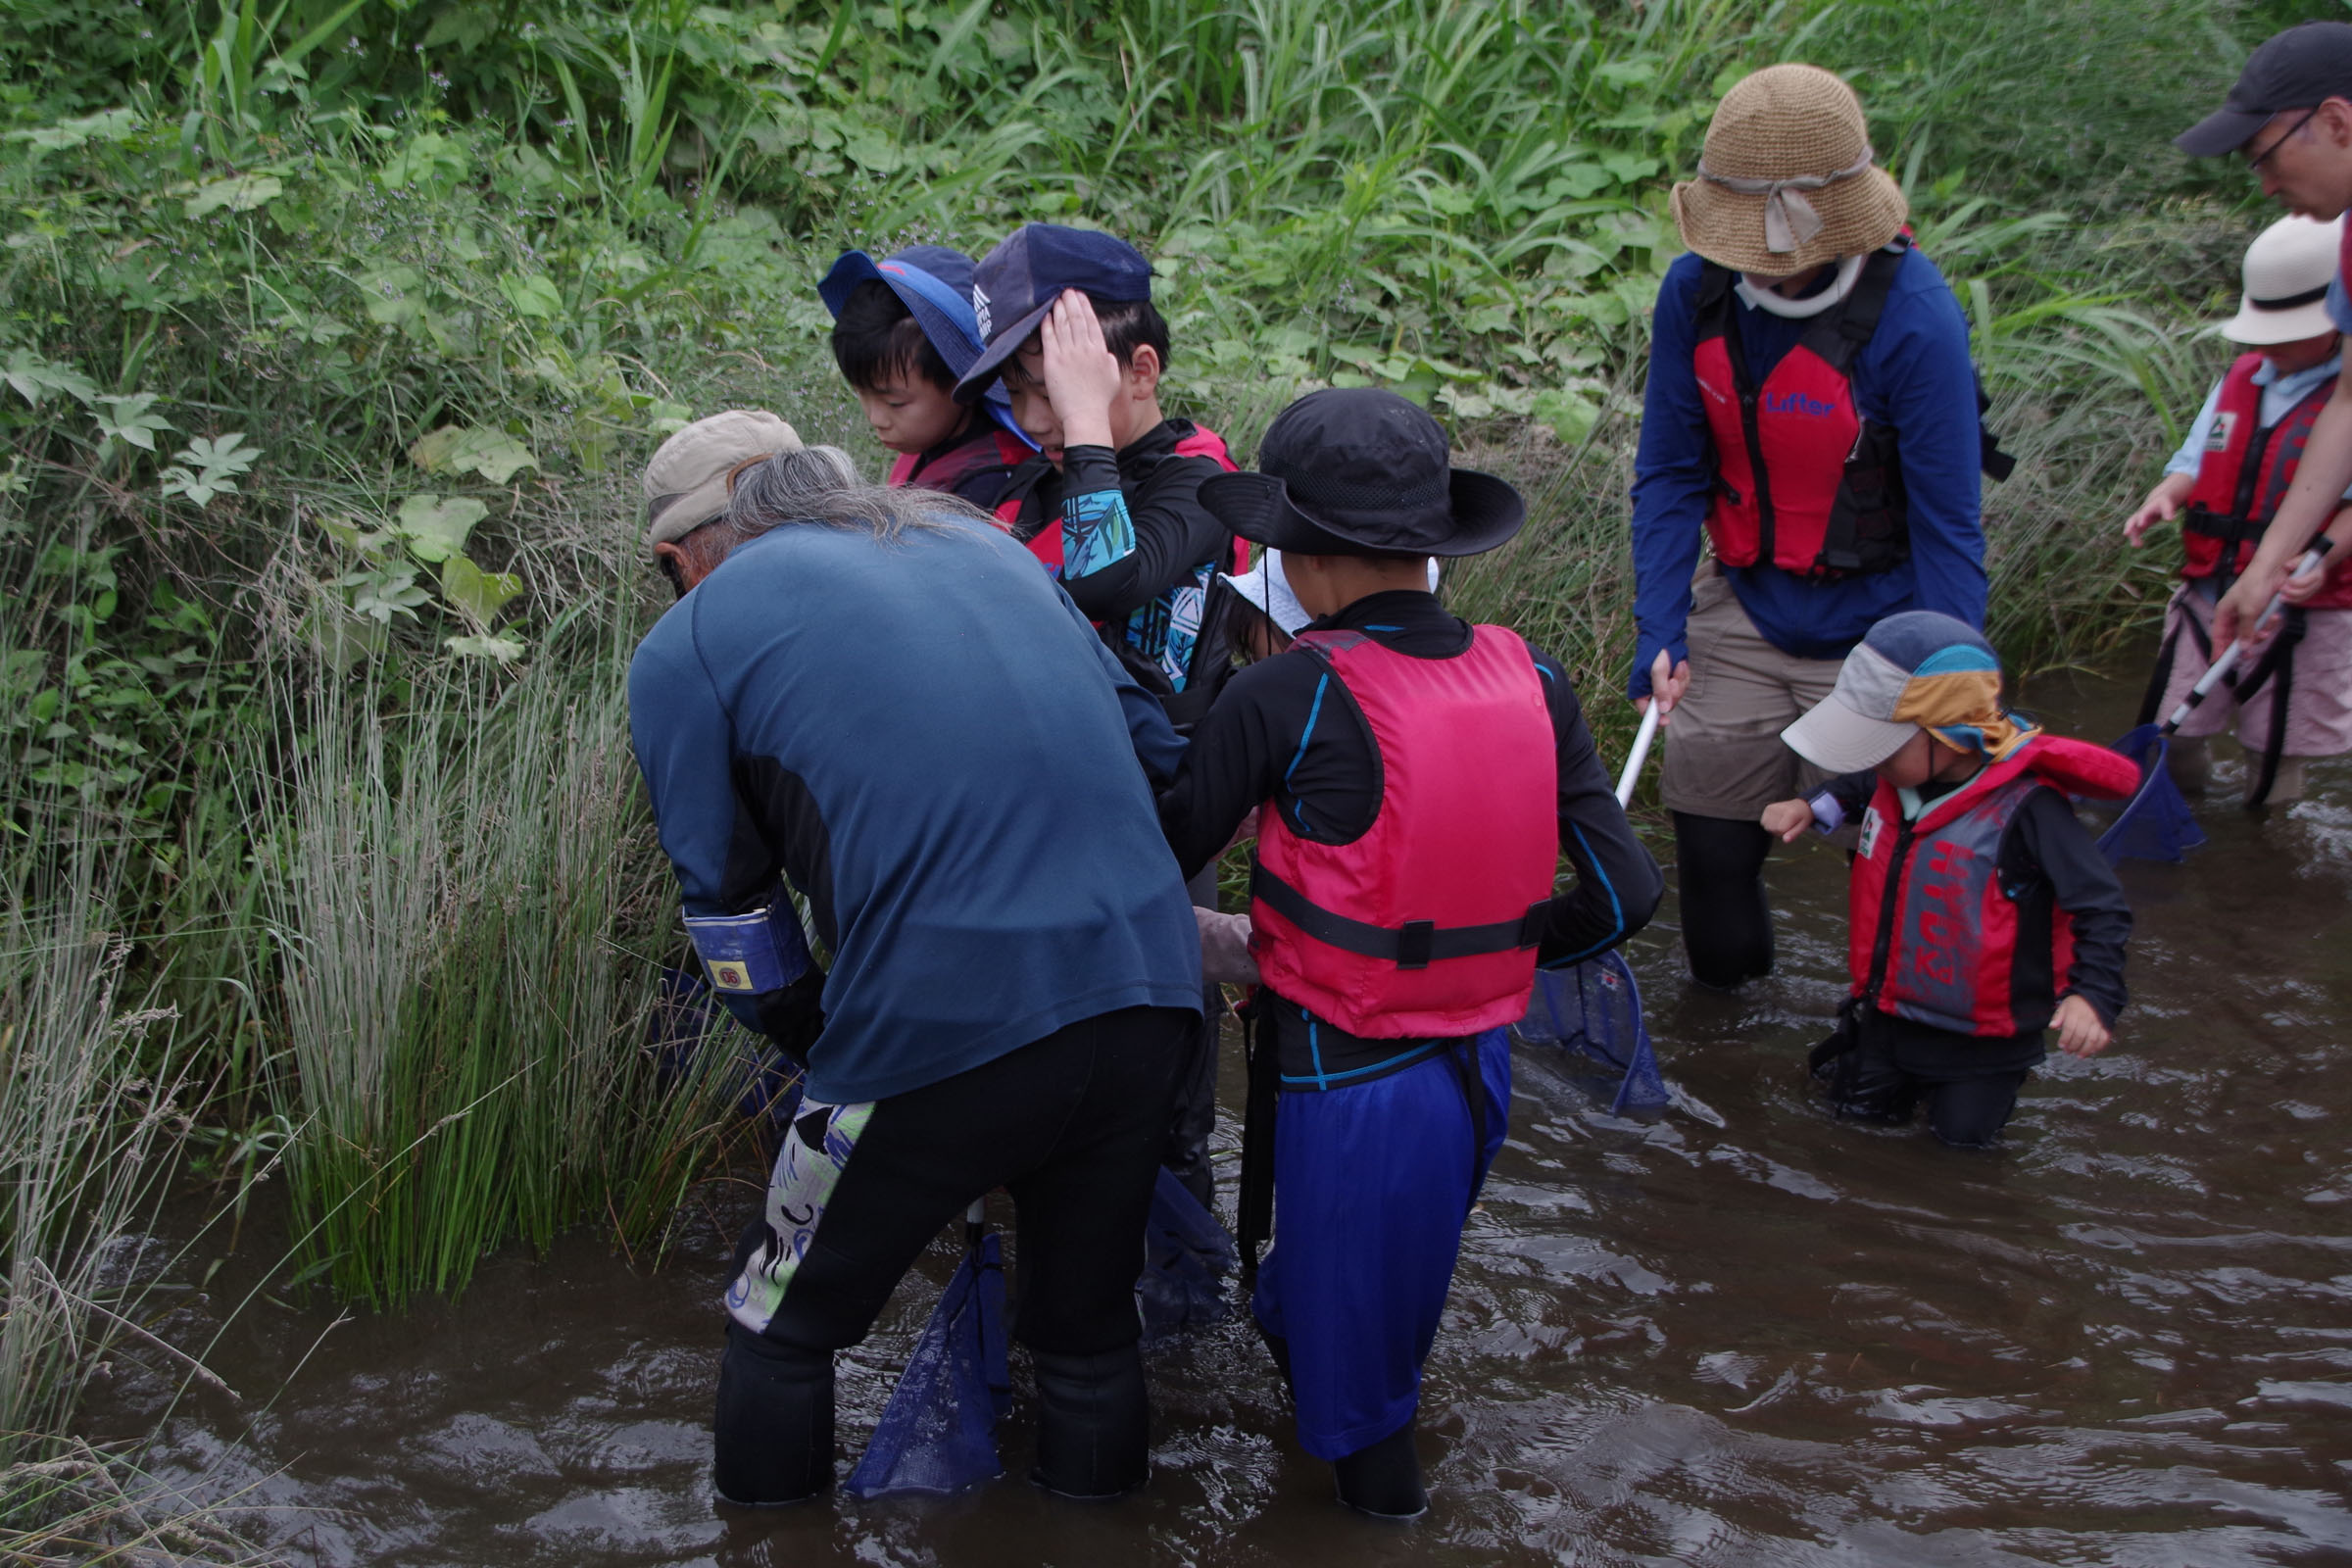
x,y
1787,181
686,481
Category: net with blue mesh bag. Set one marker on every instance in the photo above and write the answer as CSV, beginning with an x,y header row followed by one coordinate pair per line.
x,y
1593,1011
939,1431
1186,1255
2155,823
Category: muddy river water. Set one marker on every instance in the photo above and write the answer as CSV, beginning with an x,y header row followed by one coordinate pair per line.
x,y
1739,1335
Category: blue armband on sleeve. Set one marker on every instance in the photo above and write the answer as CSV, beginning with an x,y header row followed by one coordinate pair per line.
x,y
748,953
1828,815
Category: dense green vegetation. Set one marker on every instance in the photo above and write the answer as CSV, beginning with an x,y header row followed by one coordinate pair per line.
x,y
333,330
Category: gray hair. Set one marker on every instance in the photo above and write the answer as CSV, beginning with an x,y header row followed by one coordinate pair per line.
x,y
821,485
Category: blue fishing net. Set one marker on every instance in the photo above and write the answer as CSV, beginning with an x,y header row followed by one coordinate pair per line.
x,y
939,1431
1594,1010
687,1014
2155,823
1187,1257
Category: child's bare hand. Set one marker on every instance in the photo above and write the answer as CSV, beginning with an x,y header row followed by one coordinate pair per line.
x,y
1082,374
2080,1031
1788,819
2163,505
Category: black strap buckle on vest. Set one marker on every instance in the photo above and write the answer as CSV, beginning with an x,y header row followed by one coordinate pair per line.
x,y
2207,523
1416,945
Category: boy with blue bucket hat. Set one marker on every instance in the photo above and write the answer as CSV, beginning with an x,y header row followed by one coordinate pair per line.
x,y
1982,912
904,333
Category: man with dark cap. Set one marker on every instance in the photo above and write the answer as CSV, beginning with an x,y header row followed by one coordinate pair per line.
x,y
2290,115
843,700
1417,778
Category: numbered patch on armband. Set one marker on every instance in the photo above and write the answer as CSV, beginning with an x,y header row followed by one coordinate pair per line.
x,y
762,951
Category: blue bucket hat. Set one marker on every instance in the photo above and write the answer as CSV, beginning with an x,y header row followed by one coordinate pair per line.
x,y
1018,282
935,284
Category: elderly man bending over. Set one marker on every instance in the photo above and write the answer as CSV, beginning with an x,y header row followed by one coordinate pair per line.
x,y
847,694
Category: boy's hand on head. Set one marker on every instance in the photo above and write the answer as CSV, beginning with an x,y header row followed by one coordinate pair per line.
x,y
1787,820
1082,374
2080,1031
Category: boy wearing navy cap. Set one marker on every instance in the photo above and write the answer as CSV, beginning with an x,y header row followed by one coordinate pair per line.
x,y
904,332
1111,504
1417,779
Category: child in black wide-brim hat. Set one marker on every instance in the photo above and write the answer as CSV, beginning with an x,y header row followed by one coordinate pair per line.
x,y
1417,777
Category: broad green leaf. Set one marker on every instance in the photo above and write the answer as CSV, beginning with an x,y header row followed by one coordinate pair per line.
x,y
475,594
434,529
36,377
129,416
394,294
429,159
241,194
533,296
112,124
504,649
492,454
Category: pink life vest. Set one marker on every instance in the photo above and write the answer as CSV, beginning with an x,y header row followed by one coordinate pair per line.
x,y
1426,926
1932,934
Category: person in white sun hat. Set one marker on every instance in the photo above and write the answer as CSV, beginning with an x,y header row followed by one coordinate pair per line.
x,y
2293,699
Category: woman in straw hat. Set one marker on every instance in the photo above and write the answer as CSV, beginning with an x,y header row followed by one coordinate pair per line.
x,y
1812,411
2294,699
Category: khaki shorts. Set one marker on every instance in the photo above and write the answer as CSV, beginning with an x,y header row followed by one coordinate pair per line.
x,y
2319,702
1724,753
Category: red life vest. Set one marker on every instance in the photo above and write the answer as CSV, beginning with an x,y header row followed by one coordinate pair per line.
x,y
993,448
1426,926
1933,933
1802,481
1045,543
2241,477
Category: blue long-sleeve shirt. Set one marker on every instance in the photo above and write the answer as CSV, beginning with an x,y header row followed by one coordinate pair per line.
x,y
1915,375
929,741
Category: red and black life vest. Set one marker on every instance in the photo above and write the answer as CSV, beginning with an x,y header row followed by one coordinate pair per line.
x,y
1802,481
1045,543
994,448
1426,926
2243,475
1933,933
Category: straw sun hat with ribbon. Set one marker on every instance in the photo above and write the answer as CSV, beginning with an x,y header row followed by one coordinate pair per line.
x,y
1786,179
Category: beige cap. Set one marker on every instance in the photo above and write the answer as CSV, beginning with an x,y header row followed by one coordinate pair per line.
x,y
1786,179
686,482
2288,268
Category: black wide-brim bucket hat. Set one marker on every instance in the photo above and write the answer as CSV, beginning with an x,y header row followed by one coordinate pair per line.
x,y
1355,472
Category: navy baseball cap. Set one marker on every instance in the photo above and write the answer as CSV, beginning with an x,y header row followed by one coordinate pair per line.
x,y
1018,282
2301,68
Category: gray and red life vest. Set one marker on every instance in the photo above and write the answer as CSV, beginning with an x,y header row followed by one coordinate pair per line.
x,y
1935,936
1426,926
1045,543
1803,483
1003,452
2242,476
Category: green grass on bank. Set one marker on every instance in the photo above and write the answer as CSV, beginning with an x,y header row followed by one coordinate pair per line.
x,y
332,332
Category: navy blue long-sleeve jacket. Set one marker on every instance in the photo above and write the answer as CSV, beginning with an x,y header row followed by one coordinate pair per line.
x,y
929,741
1915,375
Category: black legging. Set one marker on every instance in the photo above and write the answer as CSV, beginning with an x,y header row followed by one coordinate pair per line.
x,y
1966,1112
1073,1126
1726,924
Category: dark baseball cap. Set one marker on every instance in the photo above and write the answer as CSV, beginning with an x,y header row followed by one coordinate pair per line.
x,y
1018,282
2301,68
1358,471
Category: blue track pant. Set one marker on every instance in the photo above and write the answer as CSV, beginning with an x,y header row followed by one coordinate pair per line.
x,y
1371,1185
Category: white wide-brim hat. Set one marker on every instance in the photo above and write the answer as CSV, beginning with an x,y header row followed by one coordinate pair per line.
x,y
2289,269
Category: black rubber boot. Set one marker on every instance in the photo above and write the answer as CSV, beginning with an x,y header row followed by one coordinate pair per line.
x,y
1384,1480
1094,1424
1727,923
772,1436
